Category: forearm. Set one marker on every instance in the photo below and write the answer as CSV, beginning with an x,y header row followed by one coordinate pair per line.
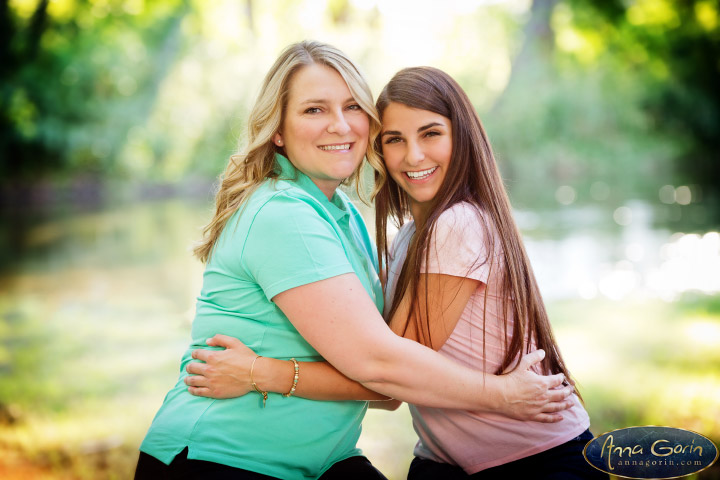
x,y
337,318
316,381
407,371
390,404
452,385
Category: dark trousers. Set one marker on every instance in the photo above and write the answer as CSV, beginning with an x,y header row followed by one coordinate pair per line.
x,y
181,468
564,462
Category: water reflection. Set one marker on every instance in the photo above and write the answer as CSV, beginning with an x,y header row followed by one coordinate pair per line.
x,y
618,255
577,252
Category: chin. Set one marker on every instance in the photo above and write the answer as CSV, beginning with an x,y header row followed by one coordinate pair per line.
x,y
346,172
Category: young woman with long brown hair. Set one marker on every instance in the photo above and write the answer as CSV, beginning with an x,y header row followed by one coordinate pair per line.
x,y
291,272
458,281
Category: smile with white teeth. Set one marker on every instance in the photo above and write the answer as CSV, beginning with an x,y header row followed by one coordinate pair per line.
x,y
421,174
342,146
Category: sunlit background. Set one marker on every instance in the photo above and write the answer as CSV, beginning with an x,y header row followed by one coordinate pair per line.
x,y
117,116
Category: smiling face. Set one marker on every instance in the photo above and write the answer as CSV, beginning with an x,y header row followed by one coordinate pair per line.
x,y
416,146
324,132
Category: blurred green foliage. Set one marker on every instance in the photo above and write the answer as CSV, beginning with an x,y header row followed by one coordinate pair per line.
x,y
619,95
76,76
672,49
615,99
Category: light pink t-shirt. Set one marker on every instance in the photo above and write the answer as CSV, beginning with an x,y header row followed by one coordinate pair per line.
x,y
474,441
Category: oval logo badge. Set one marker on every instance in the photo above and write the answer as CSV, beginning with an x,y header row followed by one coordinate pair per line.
x,y
651,452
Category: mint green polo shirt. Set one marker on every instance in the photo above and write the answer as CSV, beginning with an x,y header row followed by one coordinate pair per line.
x,y
285,235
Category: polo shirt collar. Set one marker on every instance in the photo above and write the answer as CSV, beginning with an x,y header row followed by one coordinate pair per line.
x,y
287,171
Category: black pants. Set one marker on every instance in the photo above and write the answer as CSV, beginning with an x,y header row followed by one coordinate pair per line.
x,y
564,462
181,468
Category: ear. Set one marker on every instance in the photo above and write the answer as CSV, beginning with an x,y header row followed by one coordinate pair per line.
x,y
277,139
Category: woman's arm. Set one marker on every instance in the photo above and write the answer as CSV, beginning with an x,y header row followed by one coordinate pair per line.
x,y
389,404
322,381
226,374
442,299
340,321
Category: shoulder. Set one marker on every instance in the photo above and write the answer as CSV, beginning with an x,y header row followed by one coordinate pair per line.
x,y
288,216
290,229
460,243
277,200
461,221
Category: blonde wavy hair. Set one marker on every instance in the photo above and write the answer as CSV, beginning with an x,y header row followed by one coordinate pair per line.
x,y
246,170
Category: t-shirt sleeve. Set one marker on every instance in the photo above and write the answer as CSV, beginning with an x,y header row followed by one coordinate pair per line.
x,y
459,245
290,244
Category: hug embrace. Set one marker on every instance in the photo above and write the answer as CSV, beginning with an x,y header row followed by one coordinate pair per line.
x,y
302,323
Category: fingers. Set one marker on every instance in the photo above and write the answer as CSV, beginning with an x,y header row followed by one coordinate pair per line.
x,y
221,340
199,391
547,417
195,368
531,359
561,394
553,407
202,354
556,380
196,381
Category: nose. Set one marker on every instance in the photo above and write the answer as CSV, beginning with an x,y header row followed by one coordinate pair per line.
x,y
414,154
338,124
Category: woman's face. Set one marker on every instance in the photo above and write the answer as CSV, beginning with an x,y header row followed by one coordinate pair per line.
x,y
324,132
416,146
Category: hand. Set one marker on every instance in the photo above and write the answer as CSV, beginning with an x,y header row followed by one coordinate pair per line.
x,y
225,373
529,396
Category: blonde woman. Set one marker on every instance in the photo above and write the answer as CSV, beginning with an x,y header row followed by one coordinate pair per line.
x,y
291,272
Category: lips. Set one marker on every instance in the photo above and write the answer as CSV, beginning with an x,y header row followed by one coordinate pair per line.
x,y
422,174
339,146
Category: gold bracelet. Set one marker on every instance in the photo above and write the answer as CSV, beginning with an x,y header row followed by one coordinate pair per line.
x,y
264,394
295,378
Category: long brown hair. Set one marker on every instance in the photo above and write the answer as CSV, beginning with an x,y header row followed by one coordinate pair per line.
x,y
472,177
247,170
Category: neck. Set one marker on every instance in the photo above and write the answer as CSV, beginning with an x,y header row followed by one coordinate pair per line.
x,y
419,212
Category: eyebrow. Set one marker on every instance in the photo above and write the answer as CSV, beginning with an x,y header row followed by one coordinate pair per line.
x,y
323,100
424,127
390,132
430,125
